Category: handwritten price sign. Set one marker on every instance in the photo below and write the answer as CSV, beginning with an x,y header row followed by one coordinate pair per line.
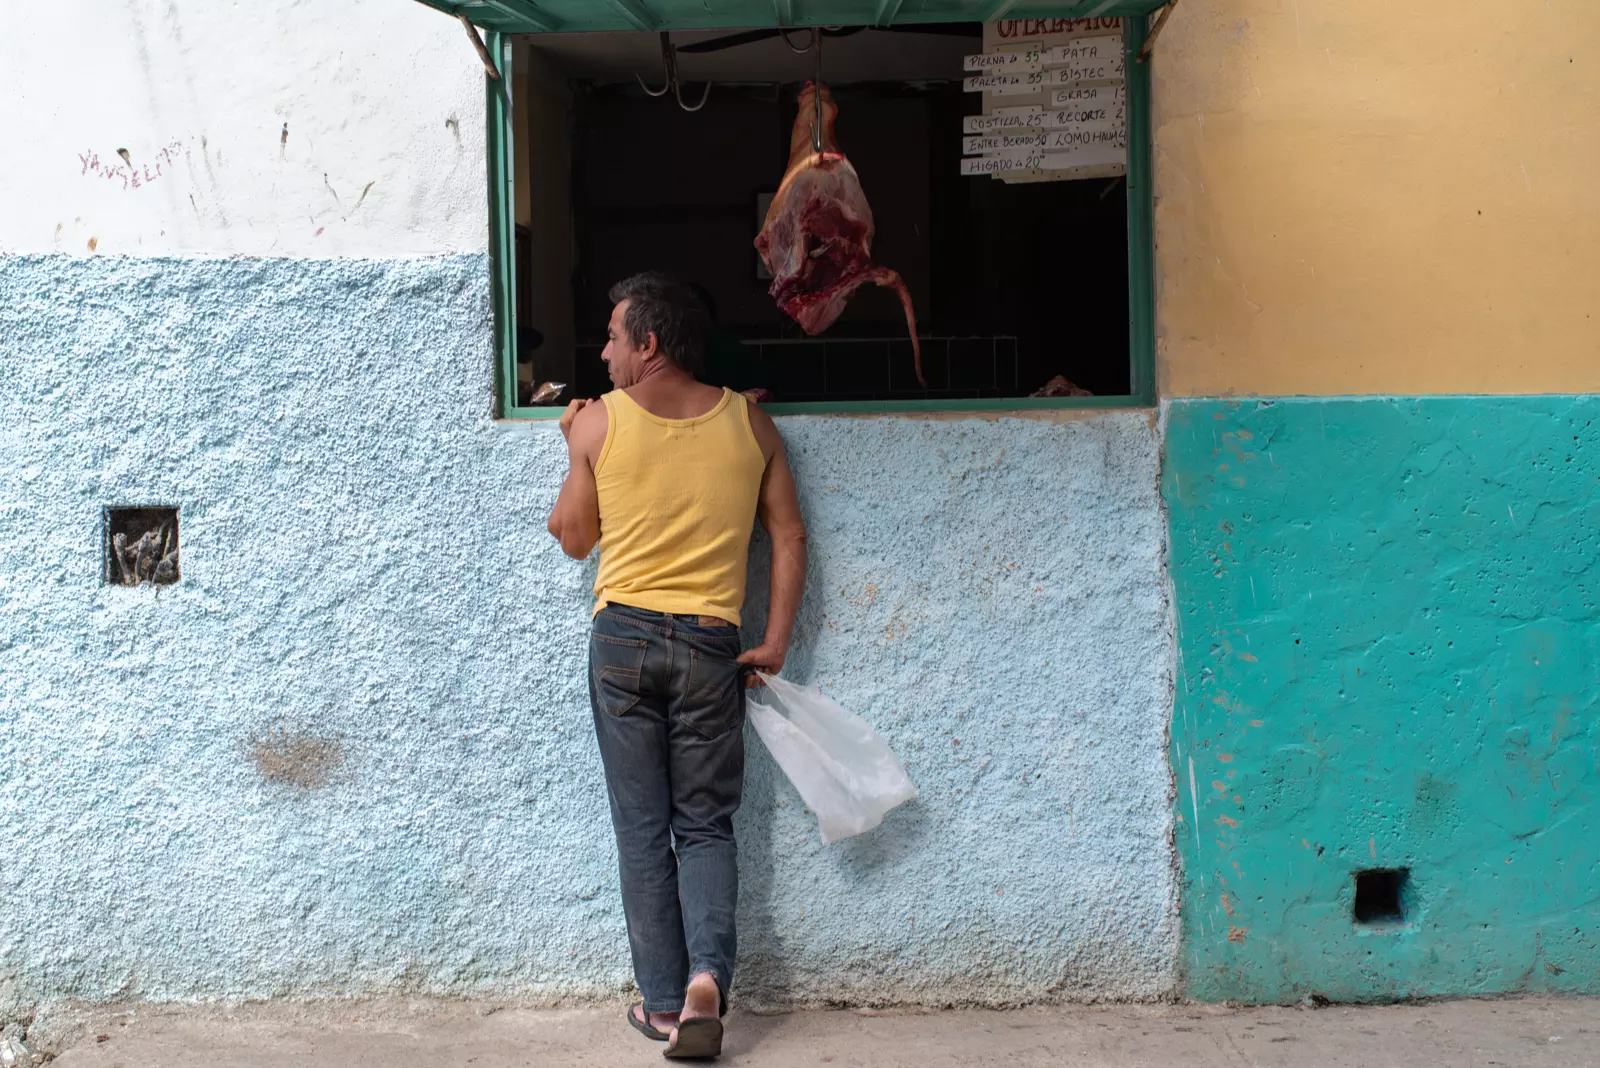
x,y
1055,102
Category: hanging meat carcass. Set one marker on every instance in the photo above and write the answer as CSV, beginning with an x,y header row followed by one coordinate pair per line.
x,y
817,238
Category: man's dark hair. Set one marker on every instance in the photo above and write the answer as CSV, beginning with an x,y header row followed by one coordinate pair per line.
x,y
661,305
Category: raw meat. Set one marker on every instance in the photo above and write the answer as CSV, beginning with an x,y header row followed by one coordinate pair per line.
x,y
1061,386
817,238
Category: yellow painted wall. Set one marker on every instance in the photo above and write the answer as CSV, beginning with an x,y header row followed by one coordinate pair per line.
x,y
1378,196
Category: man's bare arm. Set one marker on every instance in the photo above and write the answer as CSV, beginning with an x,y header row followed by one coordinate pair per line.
x,y
779,511
575,520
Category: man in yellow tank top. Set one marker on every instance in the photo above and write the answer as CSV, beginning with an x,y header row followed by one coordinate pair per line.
x,y
667,476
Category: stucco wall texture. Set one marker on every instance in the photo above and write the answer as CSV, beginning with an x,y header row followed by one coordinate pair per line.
x,y
350,752
1388,626
1377,197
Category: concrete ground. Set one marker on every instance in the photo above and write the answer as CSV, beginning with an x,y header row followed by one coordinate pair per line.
x,y
1513,1033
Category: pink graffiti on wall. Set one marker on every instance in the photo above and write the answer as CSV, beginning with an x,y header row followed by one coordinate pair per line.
x,y
130,174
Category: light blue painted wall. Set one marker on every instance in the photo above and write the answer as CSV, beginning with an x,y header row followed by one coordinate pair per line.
x,y
1388,618
365,566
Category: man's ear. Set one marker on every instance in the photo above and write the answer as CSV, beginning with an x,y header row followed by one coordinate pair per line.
x,y
651,346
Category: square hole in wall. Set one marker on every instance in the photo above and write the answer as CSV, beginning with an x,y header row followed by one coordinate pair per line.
x,y
1380,896
141,546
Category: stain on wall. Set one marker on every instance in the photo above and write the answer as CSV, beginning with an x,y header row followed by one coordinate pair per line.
x,y
1388,636
286,756
988,592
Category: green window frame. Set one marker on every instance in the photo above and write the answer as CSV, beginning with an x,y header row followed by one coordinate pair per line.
x,y
1141,237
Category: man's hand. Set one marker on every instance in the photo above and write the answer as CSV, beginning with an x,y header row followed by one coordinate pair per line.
x,y
572,413
767,658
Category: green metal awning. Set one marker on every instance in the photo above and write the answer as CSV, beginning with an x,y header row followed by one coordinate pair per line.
x,y
547,16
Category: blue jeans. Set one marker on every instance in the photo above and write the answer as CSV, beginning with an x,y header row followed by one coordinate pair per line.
x,y
669,715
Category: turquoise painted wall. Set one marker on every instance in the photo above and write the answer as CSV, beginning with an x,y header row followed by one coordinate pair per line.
x,y
1388,656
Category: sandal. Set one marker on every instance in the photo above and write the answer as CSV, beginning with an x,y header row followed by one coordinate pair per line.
x,y
643,1025
699,1038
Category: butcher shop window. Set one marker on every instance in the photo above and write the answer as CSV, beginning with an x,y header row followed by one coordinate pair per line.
x,y
1031,284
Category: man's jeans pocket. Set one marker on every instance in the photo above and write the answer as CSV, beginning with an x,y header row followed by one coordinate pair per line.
x,y
614,667
714,702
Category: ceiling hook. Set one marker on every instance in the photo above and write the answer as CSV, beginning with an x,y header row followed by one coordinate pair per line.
x,y
669,61
815,42
678,93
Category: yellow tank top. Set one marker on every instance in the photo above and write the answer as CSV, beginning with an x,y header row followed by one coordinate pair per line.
x,y
677,507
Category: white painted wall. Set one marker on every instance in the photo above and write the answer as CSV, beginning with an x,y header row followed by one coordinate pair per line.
x,y
382,97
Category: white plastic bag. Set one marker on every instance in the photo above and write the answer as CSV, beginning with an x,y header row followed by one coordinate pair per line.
x,y
843,769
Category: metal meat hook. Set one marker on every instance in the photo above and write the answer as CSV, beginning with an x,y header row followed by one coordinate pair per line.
x,y
669,60
816,96
813,45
